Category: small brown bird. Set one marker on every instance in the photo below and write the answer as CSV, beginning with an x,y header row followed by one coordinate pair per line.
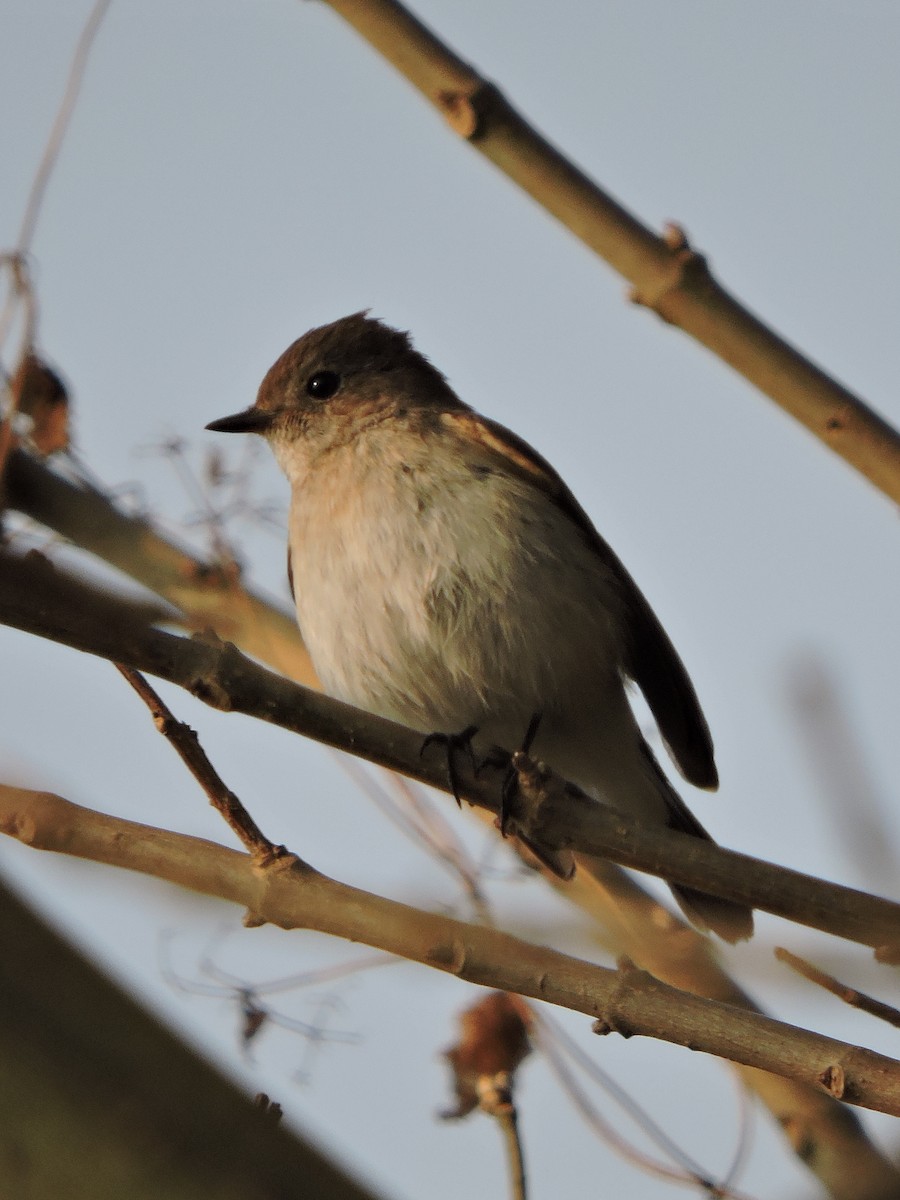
x,y
446,577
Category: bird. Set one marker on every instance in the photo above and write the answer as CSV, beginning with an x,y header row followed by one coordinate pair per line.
x,y
446,577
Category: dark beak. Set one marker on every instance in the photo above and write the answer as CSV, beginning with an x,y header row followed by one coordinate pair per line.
x,y
251,420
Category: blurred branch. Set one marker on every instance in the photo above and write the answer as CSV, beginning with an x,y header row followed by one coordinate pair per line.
x,y
60,124
856,999
503,1109
665,273
210,595
38,598
825,1135
557,1047
493,1043
838,763
292,895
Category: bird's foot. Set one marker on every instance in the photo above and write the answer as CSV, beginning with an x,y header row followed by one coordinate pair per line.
x,y
454,744
511,780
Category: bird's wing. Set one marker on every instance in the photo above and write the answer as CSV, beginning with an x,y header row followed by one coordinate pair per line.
x,y
650,659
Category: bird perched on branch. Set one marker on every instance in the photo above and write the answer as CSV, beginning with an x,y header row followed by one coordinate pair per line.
x,y
447,578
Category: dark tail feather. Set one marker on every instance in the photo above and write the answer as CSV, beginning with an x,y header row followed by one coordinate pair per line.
x,y
560,862
732,922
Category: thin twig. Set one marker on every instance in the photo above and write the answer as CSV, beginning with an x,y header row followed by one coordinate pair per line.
x,y
553,1041
825,1135
507,1118
851,996
689,1174
425,827
60,124
187,746
21,288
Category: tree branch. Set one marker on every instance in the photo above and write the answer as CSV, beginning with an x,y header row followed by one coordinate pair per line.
x,y
826,1136
849,995
40,599
665,273
187,746
292,895
210,595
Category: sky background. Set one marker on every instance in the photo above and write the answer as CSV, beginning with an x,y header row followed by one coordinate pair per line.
x,y
238,172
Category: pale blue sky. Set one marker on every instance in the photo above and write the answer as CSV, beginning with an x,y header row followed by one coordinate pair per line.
x,y
238,172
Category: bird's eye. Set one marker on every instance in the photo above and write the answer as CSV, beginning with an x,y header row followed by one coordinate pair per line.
x,y
323,384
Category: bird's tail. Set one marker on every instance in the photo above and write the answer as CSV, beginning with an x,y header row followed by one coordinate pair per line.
x,y
732,922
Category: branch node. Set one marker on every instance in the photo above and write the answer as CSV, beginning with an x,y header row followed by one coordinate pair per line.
x,y
469,113
270,1109
601,1027
683,269
208,685
834,1080
628,978
459,113
270,858
448,956
838,425
208,689
888,954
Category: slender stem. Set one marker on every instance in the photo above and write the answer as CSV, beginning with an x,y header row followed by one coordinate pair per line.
x,y
508,1119
850,995
186,744
61,123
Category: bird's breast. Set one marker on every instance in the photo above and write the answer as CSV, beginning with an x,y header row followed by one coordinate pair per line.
x,y
443,594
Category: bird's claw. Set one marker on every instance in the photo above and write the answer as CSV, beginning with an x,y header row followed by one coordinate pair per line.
x,y
453,743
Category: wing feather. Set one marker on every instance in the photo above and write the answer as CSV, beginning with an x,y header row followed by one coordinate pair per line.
x,y
650,659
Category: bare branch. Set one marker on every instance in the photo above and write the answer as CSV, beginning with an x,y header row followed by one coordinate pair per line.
x,y
211,595
503,1109
292,895
665,273
187,746
39,599
824,1134
856,999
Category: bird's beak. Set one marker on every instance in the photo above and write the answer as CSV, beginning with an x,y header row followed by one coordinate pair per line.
x,y
251,420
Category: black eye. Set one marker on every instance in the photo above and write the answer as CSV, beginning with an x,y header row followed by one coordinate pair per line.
x,y
323,384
